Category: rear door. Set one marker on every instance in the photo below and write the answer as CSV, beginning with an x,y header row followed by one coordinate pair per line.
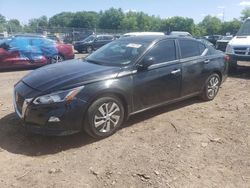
x,y
161,81
193,60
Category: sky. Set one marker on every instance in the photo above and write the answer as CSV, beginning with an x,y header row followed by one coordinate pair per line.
x,y
24,10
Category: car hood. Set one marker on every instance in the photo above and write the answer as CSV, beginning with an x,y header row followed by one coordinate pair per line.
x,y
240,40
68,74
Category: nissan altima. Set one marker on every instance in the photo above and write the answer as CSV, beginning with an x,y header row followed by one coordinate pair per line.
x,y
127,76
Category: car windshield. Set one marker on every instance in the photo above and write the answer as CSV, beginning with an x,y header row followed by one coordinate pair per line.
x,y
89,39
118,53
245,29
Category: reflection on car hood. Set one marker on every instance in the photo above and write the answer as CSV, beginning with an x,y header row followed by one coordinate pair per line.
x,y
68,74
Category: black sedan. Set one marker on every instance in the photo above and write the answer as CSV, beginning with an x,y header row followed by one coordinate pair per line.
x,y
93,42
125,77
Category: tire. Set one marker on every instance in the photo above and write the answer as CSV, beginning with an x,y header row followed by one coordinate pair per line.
x,y
211,87
79,51
89,49
57,58
100,125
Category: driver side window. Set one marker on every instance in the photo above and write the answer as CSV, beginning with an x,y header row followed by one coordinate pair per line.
x,y
163,51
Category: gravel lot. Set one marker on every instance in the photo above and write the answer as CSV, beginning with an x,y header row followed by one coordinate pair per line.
x,y
188,144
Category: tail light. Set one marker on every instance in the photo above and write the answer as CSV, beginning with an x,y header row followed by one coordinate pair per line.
x,y
227,58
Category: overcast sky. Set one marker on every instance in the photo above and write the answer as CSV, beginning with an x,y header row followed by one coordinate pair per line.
x,y
196,9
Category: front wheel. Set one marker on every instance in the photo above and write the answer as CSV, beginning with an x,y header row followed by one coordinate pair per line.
x,y
104,117
211,88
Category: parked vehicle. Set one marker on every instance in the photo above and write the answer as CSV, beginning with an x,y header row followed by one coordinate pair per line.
x,y
221,44
93,42
206,42
133,34
125,77
180,34
28,51
238,48
213,38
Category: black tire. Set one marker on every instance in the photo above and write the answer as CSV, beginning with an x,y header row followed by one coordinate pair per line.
x,y
79,51
89,49
211,88
95,117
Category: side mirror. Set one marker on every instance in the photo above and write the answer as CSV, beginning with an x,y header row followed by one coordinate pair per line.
x,y
146,62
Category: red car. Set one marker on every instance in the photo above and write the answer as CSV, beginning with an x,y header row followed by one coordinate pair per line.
x,y
27,52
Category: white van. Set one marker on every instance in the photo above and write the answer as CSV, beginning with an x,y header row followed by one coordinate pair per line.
x,y
238,48
142,34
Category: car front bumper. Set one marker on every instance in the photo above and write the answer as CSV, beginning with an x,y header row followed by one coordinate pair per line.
x,y
54,119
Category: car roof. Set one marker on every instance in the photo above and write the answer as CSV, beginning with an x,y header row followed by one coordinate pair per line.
x,y
153,38
143,33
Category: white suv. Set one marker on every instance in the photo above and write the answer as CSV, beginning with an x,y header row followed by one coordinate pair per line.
x,y
238,48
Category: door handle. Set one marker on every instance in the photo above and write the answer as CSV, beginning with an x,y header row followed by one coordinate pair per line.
x,y
206,61
176,71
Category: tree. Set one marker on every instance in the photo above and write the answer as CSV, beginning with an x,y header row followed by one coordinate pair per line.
x,y
2,23
111,19
178,23
14,26
129,22
39,22
212,25
231,27
84,20
62,19
245,13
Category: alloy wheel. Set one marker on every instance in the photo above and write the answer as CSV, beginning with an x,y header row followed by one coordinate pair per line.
x,y
213,86
56,59
107,117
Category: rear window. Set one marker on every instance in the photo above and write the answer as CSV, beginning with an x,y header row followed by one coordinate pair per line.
x,y
190,48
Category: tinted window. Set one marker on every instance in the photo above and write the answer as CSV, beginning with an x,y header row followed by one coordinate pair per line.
x,y
107,37
164,51
202,48
189,48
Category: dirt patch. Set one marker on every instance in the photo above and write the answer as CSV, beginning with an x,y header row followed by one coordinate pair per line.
x,y
188,144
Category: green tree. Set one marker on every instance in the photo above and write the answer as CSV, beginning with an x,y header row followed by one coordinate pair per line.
x,y
111,19
245,13
84,20
212,25
231,27
2,23
129,22
14,26
178,23
62,19
39,22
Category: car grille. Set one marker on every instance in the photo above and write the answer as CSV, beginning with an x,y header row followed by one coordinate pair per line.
x,y
242,50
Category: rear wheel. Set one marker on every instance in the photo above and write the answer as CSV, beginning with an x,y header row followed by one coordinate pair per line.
x,y
57,58
211,88
89,49
104,117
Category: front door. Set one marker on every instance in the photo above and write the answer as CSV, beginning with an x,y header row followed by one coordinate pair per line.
x,y
160,82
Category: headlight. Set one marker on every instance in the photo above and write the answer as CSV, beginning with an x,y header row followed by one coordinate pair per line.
x,y
229,49
60,96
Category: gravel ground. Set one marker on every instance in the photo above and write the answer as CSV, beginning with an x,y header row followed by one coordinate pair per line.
x,y
188,144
